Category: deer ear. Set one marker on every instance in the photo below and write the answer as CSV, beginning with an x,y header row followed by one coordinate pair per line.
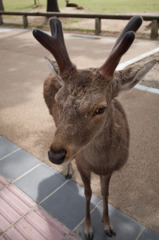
x,y
53,67
130,76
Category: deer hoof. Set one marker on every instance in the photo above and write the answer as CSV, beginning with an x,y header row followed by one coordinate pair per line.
x,y
89,236
68,176
109,230
110,233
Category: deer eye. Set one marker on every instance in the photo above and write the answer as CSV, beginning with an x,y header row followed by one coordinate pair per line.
x,y
99,111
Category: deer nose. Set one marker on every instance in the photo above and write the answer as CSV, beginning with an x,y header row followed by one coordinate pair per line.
x,y
57,157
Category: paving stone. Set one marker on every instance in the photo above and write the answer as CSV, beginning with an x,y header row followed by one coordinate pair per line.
x,y
6,147
38,224
68,204
149,235
17,164
40,182
125,227
13,205
3,182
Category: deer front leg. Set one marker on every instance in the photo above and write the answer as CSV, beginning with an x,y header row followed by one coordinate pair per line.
x,y
105,192
69,171
85,175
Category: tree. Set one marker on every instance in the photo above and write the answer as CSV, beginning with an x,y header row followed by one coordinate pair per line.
x,y
52,6
1,5
35,2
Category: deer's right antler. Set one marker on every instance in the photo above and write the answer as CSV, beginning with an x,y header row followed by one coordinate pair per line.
x,y
56,45
122,44
133,25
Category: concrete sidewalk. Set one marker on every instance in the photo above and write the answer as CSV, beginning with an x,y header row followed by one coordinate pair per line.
x,y
36,202
25,121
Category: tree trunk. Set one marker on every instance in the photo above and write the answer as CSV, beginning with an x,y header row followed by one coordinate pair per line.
x,y
52,6
1,5
36,2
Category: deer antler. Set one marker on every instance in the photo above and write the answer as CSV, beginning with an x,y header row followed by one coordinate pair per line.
x,y
122,44
56,45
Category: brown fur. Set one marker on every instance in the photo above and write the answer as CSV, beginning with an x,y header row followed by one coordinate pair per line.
x,y
91,124
100,144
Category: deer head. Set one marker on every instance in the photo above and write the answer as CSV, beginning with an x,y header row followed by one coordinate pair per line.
x,y
85,97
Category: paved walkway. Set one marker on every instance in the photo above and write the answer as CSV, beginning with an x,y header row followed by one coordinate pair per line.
x,y
37,202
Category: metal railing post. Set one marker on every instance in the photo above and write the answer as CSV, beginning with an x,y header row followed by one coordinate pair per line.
x,y
97,26
154,29
25,21
1,20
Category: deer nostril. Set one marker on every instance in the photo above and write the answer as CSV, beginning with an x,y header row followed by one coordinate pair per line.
x,y
57,157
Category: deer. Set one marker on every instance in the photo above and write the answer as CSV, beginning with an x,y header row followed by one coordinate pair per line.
x,y
91,125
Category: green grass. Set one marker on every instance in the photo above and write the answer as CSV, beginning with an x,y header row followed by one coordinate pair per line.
x,y
119,6
24,5
100,6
